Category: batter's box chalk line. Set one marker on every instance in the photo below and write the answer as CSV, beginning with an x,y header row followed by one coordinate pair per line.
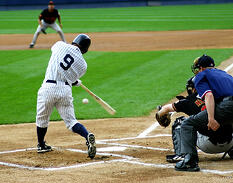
x,y
123,159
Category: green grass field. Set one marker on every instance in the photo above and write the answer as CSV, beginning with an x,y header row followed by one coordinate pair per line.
x,y
157,18
134,83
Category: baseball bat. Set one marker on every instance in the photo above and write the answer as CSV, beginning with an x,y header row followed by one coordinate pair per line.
x,y
104,104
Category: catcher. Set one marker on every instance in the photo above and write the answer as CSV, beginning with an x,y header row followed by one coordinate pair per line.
x,y
220,141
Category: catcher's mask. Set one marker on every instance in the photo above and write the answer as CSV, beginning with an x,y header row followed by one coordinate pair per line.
x,y
190,85
203,61
83,41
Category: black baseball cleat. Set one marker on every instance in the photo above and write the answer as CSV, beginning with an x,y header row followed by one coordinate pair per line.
x,y
31,46
91,145
190,164
43,31
42,148
174,158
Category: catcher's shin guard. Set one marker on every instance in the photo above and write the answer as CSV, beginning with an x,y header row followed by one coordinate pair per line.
x,y
176,134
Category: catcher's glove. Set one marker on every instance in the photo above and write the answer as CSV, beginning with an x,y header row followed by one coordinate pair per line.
x,y
164,120
43,30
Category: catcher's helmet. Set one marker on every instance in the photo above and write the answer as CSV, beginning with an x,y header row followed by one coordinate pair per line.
x,y
190,85
203,61
83,41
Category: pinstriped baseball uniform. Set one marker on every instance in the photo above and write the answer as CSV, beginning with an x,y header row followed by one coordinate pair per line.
x,y
66,66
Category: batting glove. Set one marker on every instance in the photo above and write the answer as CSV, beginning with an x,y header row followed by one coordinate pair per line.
x,y
77,83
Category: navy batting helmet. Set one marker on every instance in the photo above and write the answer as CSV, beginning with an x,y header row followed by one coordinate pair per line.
x,y
83,41
203,61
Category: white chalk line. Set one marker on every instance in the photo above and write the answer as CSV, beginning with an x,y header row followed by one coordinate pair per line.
x,y
18,150
103,154
110,161
172,166
136,146
111,149
228,68
126,159
55,168
66,167
133,138
148,130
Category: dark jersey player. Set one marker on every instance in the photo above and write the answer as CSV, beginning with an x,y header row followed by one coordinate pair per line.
x,y
47,19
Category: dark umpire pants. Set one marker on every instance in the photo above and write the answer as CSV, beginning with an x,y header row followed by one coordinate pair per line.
x,y
189,127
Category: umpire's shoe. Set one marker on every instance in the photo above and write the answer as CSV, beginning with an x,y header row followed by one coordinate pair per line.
x,y
91,145
190,163
42,148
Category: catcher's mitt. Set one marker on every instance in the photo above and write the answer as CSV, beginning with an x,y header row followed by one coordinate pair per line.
x,y
164,120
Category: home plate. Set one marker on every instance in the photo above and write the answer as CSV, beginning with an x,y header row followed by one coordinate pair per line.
x,y
111,149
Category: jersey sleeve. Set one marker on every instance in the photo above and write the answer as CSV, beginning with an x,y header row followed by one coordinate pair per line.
x,y
41,16
57,14
180,105
201,84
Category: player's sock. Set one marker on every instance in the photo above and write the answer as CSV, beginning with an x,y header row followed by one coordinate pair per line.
x,y
80,129
41,134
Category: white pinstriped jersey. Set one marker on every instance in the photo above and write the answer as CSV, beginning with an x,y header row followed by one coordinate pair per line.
x,y
66,63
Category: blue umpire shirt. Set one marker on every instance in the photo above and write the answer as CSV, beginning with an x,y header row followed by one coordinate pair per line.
x,y
214,80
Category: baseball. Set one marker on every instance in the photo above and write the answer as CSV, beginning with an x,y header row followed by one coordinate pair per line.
x,y
85,101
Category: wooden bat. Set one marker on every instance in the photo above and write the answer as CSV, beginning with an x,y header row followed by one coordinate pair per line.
x,y
104,104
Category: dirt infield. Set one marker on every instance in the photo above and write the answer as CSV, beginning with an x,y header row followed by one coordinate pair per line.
x,y
129,149
131,41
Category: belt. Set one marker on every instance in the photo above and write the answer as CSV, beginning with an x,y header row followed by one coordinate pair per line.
x,y
55,82
228,98
218,100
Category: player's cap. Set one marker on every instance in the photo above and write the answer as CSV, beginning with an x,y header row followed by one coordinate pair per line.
x,y
203,61
83,41
51,3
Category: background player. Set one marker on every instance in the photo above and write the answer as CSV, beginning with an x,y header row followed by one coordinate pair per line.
x,y
47,19
219,141
66,66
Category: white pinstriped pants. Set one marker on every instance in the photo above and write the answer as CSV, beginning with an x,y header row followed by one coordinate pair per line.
x,y
52,95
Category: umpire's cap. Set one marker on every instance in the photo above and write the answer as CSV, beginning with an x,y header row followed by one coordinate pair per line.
x,y
203,61
83,41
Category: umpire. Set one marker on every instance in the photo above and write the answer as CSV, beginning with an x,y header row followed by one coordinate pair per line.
x,y
215,87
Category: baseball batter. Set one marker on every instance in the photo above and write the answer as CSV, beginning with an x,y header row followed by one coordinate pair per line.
x,y
66,66
47,19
